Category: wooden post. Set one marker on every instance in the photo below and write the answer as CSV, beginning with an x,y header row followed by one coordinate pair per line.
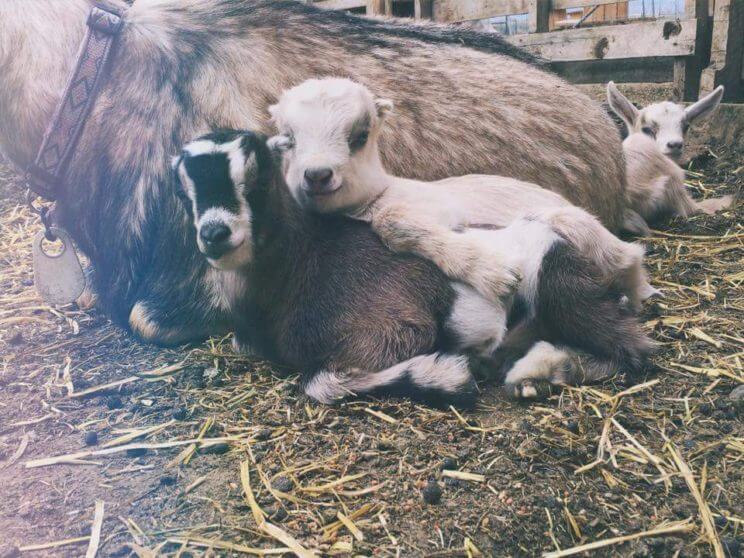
x,y
539,15
389,7
375,7
687,70
727,51
423,9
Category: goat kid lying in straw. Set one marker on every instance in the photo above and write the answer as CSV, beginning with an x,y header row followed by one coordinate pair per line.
x,y
356,318
654,146
329,131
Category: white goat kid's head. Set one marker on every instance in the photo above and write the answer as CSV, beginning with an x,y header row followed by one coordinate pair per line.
x,y
328,130
216,172
666,122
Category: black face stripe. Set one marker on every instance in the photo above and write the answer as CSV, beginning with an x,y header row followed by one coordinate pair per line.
x,y
210,173
214,188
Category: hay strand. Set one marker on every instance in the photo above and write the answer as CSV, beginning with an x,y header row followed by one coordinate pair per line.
x,y
260,517
679,527
95,531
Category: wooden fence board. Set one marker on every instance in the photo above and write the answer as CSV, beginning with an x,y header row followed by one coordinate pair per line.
x,y
423,9
563,4
375,7
461,10
341,4
687,41
634,40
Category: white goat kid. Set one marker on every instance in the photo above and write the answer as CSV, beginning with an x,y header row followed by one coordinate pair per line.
x,y
654,146
329,130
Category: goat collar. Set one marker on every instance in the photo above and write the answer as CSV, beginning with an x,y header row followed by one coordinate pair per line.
x,y
47,173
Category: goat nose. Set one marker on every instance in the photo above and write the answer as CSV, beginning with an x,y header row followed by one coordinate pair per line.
x,y
674,144
318,179
214,233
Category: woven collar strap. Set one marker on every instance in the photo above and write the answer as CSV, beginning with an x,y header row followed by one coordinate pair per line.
x,y
48,170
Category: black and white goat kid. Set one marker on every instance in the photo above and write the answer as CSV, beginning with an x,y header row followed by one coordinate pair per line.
x,y
332,301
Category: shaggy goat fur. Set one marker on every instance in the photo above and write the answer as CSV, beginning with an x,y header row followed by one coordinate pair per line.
x,y
183,67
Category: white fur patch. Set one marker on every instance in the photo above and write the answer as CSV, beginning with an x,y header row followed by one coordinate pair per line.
x,y
240,237
226,288
239,164
200,147
327,387
448,373
477,322
232,149
444,372
205,146
216,215
543,361
529,240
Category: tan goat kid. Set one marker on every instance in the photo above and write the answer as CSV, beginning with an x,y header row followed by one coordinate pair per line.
x,y
655,144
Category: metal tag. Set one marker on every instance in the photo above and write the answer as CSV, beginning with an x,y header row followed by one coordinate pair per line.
x,y
59,278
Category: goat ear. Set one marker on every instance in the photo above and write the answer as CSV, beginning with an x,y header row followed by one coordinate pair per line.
x,y
279,143
384,107
273,111
704,106
175,161
621,105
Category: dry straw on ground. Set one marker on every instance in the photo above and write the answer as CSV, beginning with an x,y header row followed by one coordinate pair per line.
x,y
199,451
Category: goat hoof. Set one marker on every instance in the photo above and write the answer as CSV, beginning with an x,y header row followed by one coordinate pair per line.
x,y
87,300
532,390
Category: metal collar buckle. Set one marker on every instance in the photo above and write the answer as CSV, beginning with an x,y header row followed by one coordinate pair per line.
x,y
43,213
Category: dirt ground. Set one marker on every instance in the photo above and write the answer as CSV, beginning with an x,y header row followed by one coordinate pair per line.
x,y
385,478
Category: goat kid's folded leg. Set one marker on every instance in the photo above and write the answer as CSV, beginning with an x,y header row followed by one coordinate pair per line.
x,y
489,269
634,224
437,379
713,205
545,365
532,375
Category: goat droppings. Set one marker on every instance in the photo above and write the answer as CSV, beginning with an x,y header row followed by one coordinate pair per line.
x,y
432,493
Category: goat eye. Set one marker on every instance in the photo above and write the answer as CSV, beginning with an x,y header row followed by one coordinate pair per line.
x,y
649,131
359,140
